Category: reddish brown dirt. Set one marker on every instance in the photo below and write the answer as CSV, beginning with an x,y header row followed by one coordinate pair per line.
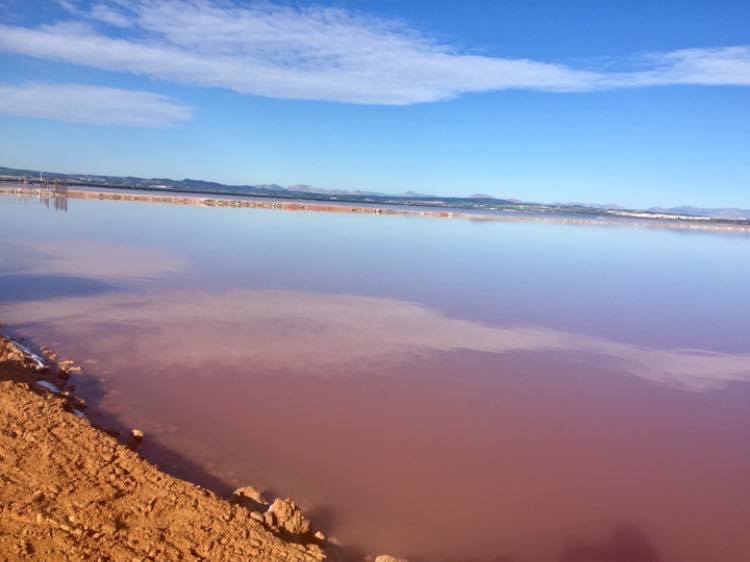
x,y
69,491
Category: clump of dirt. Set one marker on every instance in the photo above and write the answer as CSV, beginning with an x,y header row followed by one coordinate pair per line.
x,y
69,491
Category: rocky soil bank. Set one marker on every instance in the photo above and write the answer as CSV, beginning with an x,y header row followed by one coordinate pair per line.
x,y
69,491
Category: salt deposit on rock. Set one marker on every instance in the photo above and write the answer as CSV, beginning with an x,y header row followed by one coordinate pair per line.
x,y
38,361
49,386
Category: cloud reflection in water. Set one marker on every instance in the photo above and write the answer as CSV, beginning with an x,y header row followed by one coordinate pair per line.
x,y
330,333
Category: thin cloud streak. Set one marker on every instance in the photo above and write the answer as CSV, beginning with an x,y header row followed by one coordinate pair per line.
x,y
106,14
77,103
319,53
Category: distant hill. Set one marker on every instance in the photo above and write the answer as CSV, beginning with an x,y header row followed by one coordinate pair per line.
x,y
301,191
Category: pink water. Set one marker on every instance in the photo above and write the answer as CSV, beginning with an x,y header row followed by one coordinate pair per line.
x,y
435,389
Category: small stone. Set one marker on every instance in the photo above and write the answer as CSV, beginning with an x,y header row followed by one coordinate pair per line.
x,y
387,558
320,536
250,492
289,516
137,434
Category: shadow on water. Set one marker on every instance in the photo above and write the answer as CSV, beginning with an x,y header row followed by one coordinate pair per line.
x,y
627,544
28,287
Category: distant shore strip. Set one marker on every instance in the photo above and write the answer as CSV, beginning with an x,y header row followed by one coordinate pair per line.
x,y
348,208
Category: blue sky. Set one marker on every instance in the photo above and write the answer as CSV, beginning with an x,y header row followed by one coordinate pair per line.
x,y
636,103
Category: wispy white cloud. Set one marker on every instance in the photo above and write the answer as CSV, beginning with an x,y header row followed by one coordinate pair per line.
x,y
110,15
69,6
329,54
76,103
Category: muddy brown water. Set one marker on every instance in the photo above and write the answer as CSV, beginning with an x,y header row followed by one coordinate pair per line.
x,y
432,388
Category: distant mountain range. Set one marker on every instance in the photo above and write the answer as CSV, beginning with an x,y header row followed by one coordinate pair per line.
x,y
720,213
479,201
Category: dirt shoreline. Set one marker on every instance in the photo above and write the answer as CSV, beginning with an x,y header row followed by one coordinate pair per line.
x,y
71,491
